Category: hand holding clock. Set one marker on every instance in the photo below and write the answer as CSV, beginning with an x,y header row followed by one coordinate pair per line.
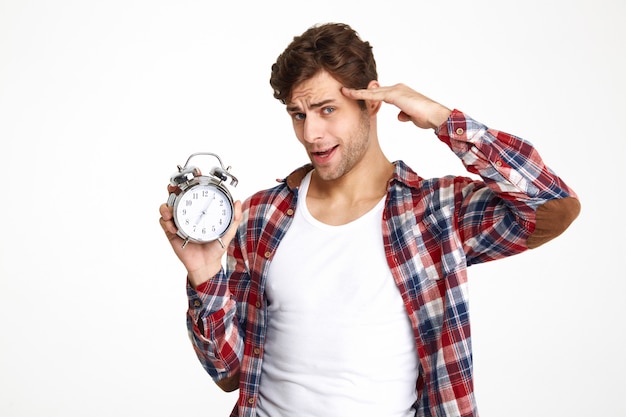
x,y
202,261
198,230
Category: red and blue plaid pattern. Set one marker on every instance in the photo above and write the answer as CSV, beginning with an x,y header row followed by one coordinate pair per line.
x,y
433,229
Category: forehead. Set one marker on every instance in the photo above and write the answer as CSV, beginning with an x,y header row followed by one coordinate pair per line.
x,y
321,87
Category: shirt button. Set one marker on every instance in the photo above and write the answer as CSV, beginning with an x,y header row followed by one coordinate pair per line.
x,y
459,131
250,400
257,304
257,351
268,254
197,303
290,212
499,163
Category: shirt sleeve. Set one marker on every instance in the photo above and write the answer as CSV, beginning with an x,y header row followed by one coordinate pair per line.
x,y
213,327
497,220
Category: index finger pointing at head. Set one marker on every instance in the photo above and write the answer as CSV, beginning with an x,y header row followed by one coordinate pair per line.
x,y
358,94
374,93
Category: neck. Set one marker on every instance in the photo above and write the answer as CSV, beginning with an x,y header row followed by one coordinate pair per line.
x,y
347,198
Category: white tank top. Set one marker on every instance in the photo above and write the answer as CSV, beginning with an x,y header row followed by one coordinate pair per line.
x,y
339,342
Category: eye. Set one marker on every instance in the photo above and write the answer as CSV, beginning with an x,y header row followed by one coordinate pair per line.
x,y
328,110
298,116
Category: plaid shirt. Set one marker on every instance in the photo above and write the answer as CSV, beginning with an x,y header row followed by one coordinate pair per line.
x,y
432,230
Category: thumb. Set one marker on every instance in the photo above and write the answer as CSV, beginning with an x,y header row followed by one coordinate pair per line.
x,y
403,117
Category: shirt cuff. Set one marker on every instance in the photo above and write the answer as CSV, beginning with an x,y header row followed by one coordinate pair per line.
x,y
210,296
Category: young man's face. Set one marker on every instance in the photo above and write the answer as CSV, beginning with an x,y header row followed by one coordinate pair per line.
x,y
334,130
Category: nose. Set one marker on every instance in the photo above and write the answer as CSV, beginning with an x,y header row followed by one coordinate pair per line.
x,y
313,129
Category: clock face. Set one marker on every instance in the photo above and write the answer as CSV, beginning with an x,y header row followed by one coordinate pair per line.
x,y
203,212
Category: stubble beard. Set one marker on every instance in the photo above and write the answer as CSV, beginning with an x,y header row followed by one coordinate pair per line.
x,y
352,152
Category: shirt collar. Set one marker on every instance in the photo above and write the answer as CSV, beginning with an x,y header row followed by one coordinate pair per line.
x,y
402,173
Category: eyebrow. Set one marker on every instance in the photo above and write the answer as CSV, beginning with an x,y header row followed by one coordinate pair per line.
x,y
313,105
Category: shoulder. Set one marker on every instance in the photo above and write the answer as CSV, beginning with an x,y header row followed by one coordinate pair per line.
x,y
280,194
450,185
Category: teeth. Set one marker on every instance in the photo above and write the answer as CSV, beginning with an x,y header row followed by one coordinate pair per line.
x,y
327,151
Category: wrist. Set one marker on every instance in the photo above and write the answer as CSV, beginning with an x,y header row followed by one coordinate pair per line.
x,y
439,116
200,276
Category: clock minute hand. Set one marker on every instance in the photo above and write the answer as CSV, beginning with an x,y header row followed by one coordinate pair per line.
x,y
203,213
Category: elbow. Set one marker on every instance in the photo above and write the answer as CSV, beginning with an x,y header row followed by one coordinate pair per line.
x,y
229,384
552,219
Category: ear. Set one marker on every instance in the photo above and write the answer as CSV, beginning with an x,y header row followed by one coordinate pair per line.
x,y
372,105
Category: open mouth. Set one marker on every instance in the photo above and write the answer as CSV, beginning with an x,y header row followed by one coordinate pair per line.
x,y
325,154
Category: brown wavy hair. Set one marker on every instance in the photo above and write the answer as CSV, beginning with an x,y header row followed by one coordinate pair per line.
x,y
333,47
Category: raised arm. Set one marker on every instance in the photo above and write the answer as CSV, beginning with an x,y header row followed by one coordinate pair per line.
x,y
212,322
510,166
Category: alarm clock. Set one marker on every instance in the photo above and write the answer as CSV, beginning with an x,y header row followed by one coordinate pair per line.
x,y
203,206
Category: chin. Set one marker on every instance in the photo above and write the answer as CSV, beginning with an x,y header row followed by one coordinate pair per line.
x,y
327,174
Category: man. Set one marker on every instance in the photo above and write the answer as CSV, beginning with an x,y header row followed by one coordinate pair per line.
x,y
345,287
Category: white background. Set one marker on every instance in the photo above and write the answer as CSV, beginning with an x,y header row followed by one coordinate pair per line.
x,y
99,101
